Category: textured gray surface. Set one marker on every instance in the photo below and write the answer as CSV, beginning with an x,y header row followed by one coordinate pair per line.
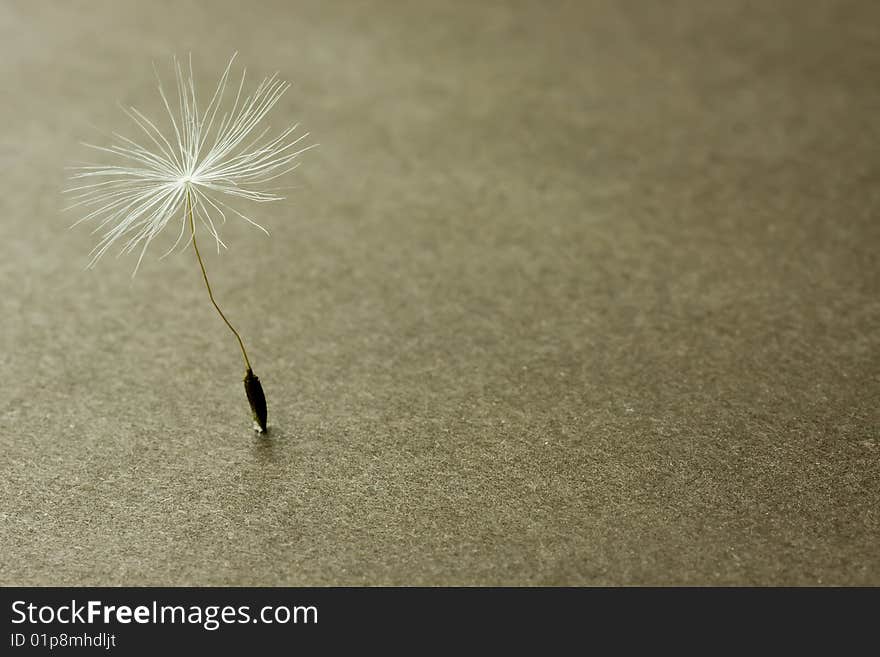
x,y
580,293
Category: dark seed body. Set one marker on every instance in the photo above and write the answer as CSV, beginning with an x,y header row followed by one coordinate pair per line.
x,y
256,398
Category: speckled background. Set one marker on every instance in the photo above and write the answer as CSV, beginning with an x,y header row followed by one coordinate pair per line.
x,y
571,293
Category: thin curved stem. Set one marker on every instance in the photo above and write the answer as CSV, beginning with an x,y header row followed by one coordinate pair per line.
x,y
192,228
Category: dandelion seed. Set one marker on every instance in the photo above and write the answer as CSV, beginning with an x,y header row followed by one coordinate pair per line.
x,y
197,170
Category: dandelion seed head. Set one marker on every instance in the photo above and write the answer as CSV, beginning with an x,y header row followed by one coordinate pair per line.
x,y
204,159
